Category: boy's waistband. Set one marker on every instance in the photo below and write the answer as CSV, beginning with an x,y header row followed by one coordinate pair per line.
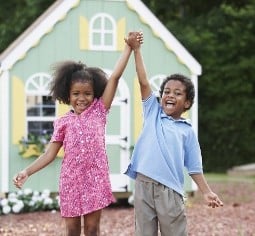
x,y
146,178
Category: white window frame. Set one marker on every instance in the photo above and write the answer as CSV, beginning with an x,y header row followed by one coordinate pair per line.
x,y
155,83
38,85
102,31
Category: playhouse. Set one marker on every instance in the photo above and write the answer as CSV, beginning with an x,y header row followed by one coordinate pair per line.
x,y
91,31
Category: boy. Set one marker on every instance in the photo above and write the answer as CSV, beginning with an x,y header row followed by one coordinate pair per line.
x,y
166,145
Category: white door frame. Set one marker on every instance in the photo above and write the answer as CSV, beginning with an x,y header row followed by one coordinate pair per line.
x,y
121,182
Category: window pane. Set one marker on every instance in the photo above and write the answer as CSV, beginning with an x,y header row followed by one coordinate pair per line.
x,y
33,107
48,107
97,39
97,24
40,127
108,39
107,24
33,111
40,106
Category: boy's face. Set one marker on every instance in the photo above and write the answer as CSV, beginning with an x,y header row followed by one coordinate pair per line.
x,y
173,99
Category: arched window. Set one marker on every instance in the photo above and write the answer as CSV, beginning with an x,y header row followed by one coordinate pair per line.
x,y
102,32
40,109
155,83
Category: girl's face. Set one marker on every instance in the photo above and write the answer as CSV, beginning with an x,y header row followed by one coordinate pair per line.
x,y
173,99
81,96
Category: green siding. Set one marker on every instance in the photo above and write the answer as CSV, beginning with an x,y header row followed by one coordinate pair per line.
x,y
62,43
47,178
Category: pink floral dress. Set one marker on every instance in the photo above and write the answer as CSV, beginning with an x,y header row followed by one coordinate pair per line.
x,y
84,184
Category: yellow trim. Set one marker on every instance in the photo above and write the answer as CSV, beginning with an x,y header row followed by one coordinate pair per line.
x,y
121,32
50,29
63,17
62,109
18,109
143,20
138,119
180,60
31,151
186,115
61,152
76,4
84,33
168,46
130,6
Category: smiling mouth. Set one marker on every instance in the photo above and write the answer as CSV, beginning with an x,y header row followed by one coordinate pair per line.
x,y
169,104
81,106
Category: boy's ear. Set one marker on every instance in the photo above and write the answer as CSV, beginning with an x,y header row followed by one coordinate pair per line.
x,y
187,104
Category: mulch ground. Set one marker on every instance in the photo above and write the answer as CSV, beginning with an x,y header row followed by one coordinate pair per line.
x,y
236,218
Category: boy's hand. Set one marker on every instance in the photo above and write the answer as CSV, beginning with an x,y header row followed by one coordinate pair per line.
x,y
213,200
134,39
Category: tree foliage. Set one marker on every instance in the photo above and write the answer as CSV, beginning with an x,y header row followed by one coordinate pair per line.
x,y
220,35
16,16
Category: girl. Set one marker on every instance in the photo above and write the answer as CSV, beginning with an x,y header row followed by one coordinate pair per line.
x,y
84,186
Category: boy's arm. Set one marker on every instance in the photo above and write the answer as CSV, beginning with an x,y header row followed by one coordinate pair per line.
x,y
112,83
142,75
211,198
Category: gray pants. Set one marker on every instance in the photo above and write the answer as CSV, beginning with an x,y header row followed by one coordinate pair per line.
x,y
158,207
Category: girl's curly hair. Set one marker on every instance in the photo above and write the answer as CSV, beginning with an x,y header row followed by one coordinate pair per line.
x,y
67,72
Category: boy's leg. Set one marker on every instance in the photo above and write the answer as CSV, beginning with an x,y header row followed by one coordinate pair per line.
x,y
146,222
92,223
73,226
171,212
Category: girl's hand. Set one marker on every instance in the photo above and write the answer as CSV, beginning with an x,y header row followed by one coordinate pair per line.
x,y
20,179
134,39
213,200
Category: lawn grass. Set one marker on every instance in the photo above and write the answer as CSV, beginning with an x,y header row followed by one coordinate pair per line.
x,y
223,177
232,189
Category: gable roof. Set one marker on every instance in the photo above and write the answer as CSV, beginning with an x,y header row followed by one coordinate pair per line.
x,y
162,32
45,23
32,35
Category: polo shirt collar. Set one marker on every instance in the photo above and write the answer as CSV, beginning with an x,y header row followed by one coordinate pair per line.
x,y
182,120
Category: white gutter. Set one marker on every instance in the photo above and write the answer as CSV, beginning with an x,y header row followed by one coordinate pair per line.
x,y
163,33
36,32
4,132
194,108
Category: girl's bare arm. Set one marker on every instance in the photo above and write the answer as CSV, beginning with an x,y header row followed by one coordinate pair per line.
x,y
112,83
47,157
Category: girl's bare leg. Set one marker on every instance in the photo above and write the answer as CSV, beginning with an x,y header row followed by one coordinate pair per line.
x,y
73,226
92,223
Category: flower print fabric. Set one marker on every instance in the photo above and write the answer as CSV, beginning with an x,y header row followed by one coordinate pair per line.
x,y
84,178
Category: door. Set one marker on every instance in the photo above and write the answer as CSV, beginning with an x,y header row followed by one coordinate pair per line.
x,y
118,138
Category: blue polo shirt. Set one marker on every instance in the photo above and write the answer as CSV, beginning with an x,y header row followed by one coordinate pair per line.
x,y
164,148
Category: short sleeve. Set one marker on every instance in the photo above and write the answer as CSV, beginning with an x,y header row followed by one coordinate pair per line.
x,y
193,158
150,105
101,107
58,133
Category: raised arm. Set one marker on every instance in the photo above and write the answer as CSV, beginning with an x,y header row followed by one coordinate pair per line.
x,y
112,83
139,64
142,75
